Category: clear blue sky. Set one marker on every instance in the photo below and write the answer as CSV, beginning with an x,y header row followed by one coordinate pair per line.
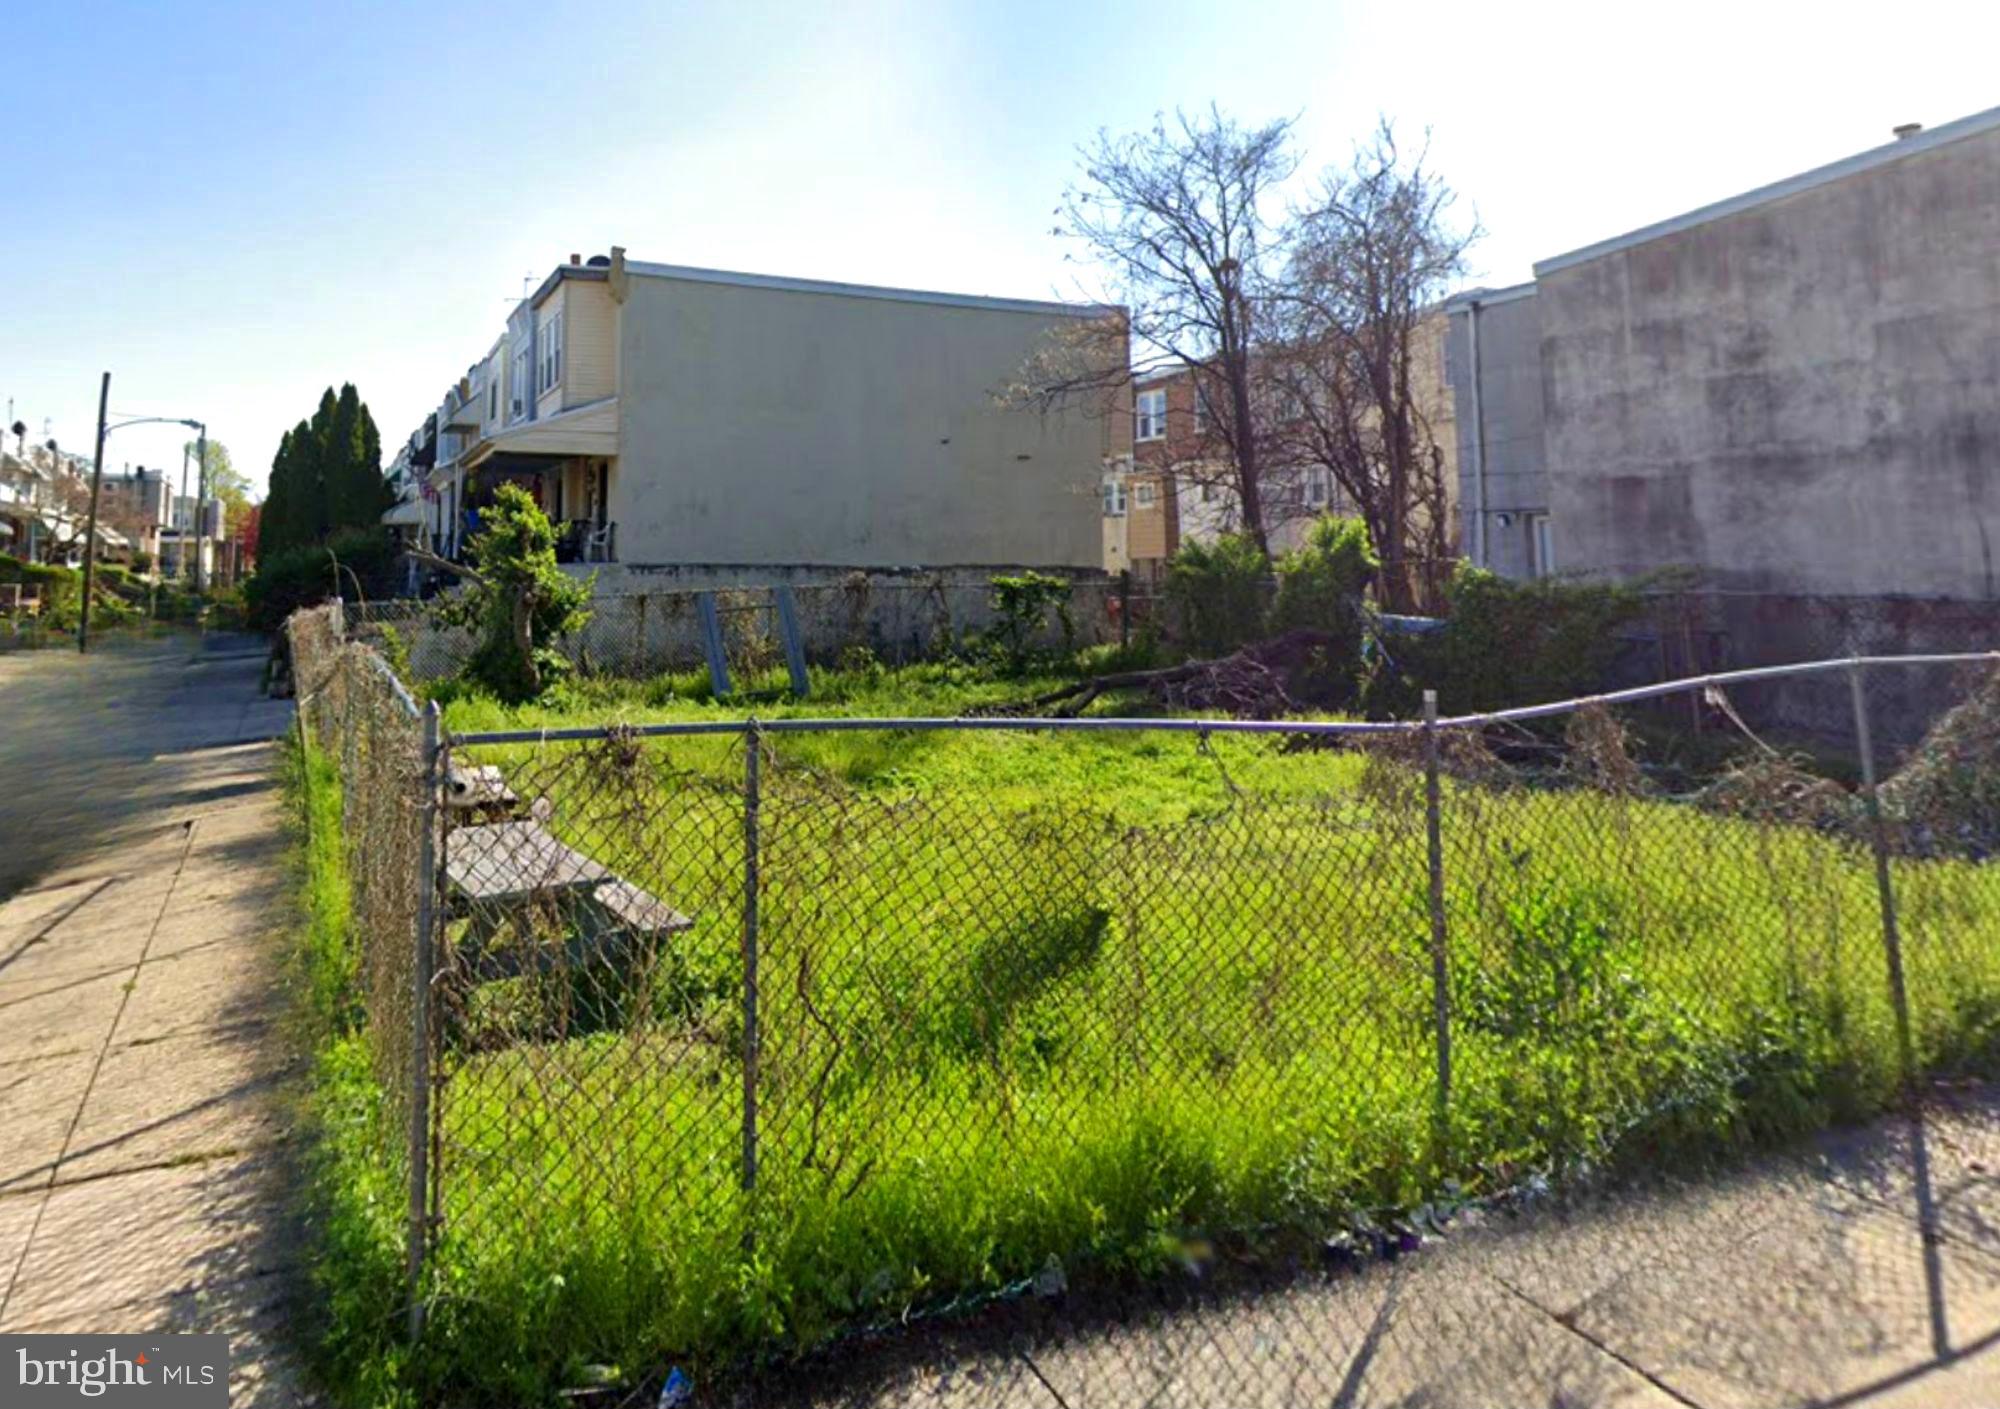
x,y
232,205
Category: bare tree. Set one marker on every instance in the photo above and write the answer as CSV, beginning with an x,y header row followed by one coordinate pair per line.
x,y
68,497
1177,220
1369,262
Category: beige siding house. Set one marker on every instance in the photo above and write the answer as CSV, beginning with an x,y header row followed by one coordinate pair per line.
x,y
716,425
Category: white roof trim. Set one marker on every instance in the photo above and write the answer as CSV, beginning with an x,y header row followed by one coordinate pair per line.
x,y
824,286
1485,298
1896,150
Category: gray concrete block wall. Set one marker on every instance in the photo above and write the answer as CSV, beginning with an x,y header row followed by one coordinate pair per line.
x,y
1799,397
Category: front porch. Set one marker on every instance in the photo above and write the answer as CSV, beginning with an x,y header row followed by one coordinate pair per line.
x,y
569,464
574,492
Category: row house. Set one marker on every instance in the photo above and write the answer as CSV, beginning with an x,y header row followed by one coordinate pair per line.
x,y
713,425
1179,483
44,506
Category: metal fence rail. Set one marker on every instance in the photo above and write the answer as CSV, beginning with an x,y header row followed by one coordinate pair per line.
x,y
701,998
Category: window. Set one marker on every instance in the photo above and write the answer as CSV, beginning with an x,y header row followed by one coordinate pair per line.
x,y
1541,544
552,351
1114,497
1200,412
493,400
1145,494
519,388
1316,488
1152,418
1209,492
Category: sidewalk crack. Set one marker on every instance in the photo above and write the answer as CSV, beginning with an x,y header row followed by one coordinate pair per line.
x,y
1597,1343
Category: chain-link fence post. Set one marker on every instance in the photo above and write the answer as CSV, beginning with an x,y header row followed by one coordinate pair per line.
x,y
751,1040
420,1014
305,757
1892,939
1124,608
1899,999
1440,958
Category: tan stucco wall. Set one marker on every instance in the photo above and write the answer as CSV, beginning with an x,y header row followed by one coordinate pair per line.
x,y
777,426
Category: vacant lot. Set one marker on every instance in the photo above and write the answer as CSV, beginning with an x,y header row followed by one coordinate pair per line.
x,y
1027,1002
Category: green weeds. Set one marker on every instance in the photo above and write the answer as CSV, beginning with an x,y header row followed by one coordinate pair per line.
x,y
1081,998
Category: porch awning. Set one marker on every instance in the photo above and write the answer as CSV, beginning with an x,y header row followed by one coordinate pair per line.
x,y
587,430
406,513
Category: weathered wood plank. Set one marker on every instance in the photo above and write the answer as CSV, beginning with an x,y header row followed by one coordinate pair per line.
x,y
504,861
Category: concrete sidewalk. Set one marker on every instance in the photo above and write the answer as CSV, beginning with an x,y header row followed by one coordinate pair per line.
x,y
1805,1280
142,1184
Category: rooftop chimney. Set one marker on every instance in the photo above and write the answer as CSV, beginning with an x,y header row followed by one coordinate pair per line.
x,y
1906,130
578,259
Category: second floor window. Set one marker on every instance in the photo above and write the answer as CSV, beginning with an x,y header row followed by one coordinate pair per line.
x,y
493,399
517,390
1144,494
1114,497
1151,423
1200,413
552,341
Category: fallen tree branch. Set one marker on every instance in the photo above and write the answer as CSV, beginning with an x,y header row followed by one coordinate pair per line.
x,y
1247,682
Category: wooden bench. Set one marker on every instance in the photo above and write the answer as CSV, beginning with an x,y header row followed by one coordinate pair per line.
x,y
518,876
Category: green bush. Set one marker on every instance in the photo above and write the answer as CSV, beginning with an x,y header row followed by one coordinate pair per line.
x,y
1320,583
60,588
1025,603
1217,590
1320,587
520,595
1510,643
358,562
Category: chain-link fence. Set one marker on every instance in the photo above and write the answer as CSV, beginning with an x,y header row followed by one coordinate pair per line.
x,y
353,711
1703,630
896,621
743,1033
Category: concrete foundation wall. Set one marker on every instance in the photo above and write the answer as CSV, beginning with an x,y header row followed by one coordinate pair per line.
x,y
1799,397
766,426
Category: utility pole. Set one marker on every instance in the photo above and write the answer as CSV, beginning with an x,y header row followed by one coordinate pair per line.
x,y
90,529
180,528
200,506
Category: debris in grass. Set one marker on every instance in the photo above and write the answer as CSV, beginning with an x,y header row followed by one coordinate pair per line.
x,y
1051,1280
678,1389
1342,1250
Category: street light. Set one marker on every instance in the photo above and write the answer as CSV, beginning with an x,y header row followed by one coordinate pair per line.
x,y
97,489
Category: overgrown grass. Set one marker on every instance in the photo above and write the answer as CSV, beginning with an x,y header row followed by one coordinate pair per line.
x,y
353,1336
1026,998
